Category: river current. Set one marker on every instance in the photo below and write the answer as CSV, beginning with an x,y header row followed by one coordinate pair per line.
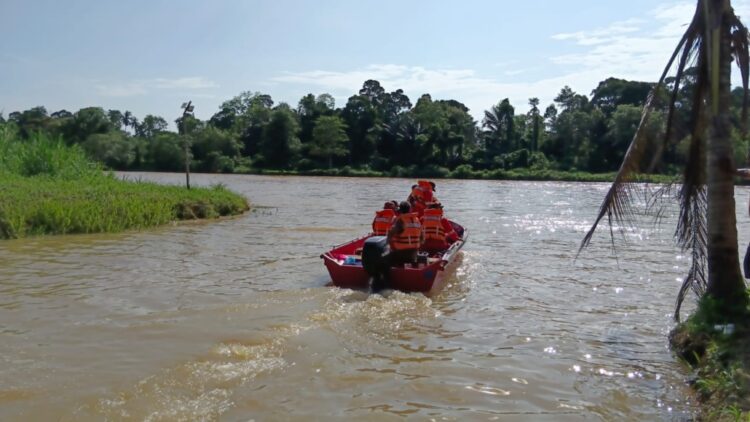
x,y
231,320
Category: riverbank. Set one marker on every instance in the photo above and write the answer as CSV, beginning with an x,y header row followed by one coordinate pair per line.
x,y
466,173
43,205
720,358
47,187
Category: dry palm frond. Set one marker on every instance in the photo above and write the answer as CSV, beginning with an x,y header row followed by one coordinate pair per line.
x,y
617,202
691,231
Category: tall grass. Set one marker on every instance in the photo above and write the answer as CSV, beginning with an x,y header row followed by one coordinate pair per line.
x,y
47,187
42,155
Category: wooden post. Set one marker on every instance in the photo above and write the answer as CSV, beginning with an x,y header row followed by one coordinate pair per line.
x,y
188,109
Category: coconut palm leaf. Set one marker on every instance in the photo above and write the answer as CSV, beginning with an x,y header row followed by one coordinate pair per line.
x,y
741,56
700,43
617,204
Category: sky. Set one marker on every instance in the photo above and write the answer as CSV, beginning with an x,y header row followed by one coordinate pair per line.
x,y
149,57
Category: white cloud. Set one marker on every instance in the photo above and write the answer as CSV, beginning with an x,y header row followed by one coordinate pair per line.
x,y
600,35
634,49
121,90
146,86
184,83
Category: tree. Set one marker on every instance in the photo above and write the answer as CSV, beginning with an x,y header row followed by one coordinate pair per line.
x,y
245,116
129,120
61,114
372,90
707,223
240,104
30,121
165,152
500,130
536,123
329,138
151,126
116,118
280,144
86,122
442,129
613,92
113,149
361,118
309,109
326,102
214,149
568,100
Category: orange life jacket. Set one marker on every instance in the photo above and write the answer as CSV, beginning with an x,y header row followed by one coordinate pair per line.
x,y
426,187
432,224
383,221
416,195
409,238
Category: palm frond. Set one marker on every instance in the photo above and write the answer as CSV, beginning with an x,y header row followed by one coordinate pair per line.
x,y
740,47
688,52
699,43
617,202
694,229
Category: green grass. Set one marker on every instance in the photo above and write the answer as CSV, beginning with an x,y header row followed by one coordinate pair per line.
x,y
49,188
721,362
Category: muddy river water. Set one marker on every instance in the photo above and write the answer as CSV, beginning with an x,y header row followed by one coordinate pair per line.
x,y
231,320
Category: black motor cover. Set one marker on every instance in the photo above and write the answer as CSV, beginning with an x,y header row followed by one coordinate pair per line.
x,y
372,254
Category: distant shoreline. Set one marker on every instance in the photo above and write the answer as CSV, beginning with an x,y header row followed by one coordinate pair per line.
x,y
509,175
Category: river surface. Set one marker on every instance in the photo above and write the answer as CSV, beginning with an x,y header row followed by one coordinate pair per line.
x,y
231,320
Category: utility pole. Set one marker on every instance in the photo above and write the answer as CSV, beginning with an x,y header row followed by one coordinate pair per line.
x,y
187,111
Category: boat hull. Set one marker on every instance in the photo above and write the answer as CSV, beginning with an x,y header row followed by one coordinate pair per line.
x,y
427,278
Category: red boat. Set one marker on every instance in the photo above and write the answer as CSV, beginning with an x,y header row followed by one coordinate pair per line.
x,y
344,263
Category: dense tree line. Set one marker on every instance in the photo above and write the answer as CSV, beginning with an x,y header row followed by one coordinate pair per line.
x,y
380,131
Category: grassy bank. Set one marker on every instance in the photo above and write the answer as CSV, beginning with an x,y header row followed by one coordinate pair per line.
x,y
720,357
49,188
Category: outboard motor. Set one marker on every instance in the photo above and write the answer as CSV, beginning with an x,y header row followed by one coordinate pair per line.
x,y
374,261
372,254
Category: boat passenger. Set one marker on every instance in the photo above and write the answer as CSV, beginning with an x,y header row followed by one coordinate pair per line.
x,y
414,195
405,237
427,189
438,231
384,219
394,206
417,200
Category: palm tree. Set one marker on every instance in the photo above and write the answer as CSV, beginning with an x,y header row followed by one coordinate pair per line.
x,y
499,124
707,223
535,123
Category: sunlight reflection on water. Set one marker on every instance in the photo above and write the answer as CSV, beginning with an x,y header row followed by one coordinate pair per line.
x,y
231,319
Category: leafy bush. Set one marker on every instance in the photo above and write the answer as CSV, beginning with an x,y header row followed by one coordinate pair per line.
x,y
464,171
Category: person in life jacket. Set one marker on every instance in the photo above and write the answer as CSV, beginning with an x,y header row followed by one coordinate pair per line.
x,y
415,195
384,219
438,231
428,189
405,236
420,197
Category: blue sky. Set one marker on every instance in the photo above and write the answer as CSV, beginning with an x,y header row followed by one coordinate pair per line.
x,y
150,56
